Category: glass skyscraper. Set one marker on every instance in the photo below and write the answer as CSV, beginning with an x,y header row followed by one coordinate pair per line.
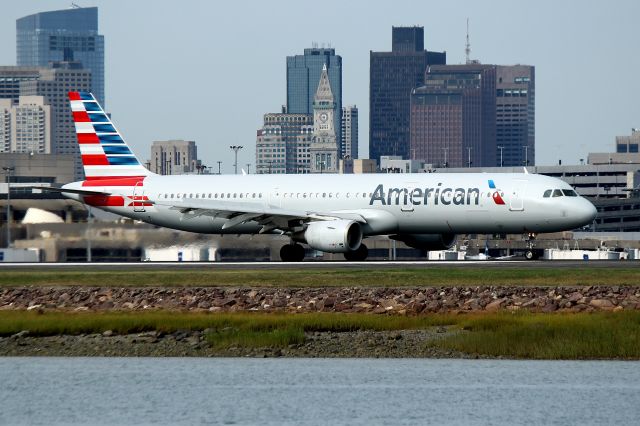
x,y
303,77
70,34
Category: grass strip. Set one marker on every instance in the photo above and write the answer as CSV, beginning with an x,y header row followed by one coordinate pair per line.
x,y
602,335
324,277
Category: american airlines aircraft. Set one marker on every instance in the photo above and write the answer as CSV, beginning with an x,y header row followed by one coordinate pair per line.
x,y
331,213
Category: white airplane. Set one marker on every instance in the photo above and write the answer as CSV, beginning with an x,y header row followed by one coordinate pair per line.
x,y
331,213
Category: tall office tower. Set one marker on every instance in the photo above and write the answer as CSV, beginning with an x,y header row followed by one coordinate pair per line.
x,y
282,144
453,116
324,150
392,76
54,84
303,74
174,157
60,35
25,126
515,115
10,78
350,131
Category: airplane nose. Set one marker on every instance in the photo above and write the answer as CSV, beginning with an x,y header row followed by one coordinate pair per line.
x,y
586,212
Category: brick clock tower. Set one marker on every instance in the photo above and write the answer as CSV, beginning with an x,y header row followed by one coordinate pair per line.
x,y
323,149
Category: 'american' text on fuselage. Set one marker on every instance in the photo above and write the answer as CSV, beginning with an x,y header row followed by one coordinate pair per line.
x,y
418,196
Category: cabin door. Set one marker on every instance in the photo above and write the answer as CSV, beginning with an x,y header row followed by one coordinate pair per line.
x,y
516,198
138,197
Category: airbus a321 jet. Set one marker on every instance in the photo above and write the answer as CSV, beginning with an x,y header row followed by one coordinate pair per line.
x,y
332,213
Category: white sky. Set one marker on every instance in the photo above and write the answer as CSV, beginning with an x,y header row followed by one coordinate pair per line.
x,y
208,70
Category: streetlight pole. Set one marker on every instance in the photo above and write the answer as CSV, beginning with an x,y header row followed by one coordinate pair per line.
x,y
446,164
248,168
501,148
219,163
469,158
8,171
526,155
235,149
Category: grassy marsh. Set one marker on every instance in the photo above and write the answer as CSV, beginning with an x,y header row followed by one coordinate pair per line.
x,y
602,335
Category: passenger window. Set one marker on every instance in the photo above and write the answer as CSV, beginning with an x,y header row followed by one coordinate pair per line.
x,y
197,195
547,193
210,195
557,193
234,195
304,195
240,195
190,195
364,195
215,195
569,192
324,195
228,195
165,195
254,195
221,195
260,195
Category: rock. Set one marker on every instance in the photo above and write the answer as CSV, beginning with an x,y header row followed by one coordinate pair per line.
x,y
108,333
20,334
601,304
494,306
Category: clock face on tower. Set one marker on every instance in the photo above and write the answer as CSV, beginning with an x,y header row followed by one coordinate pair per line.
x,y
323,117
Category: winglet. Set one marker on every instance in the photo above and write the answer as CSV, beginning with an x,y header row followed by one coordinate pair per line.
x,y
244,173
526,172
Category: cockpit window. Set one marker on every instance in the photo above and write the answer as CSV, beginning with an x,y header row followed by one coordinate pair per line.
x,y
557,193
569,192
547,193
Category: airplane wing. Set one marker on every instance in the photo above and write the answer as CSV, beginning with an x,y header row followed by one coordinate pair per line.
x,y
270,217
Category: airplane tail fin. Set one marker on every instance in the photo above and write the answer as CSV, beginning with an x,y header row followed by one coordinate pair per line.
x,y
105,155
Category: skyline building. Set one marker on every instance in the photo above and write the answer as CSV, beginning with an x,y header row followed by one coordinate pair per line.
x,y
63,35
515,115
350,132
282,144
392,77
25,127
303,75
54,85
174,157
10,78
453,116
324,150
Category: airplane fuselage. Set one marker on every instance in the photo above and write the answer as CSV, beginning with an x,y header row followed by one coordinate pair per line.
x,y
423,203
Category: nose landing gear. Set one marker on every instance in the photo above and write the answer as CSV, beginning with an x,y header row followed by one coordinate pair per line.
x,y
530,253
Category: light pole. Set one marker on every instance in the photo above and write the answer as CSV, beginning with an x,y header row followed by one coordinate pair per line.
x,y
235,149
469,158
446,163
8,171
248,168
219,163
501,148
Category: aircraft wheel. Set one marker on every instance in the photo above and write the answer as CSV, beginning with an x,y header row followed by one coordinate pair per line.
x,y
357,255
292,253
529,255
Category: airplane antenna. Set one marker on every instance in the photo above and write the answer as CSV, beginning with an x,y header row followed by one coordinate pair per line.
x,y
75,6
467,48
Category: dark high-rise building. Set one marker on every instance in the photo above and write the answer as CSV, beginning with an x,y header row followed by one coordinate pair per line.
x,y
63,35
515,115
453,116
392,77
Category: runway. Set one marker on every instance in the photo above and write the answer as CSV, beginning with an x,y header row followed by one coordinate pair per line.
x,y
386,265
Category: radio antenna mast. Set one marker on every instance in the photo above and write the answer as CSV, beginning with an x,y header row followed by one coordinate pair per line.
x,y
467,49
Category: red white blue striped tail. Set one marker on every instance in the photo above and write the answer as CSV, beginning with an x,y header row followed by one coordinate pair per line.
x,y
105,155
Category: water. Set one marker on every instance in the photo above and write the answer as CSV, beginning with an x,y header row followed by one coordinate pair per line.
x,y
45,391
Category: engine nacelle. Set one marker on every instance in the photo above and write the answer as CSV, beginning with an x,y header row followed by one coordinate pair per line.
x,y
427,241
333,236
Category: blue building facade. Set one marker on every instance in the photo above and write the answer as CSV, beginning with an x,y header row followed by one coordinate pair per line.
x,y
70,34
303,77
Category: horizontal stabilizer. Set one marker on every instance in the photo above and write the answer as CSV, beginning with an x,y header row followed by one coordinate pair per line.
x,y
41,189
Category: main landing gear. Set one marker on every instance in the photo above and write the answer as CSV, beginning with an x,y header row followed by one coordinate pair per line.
x,y
292,253
357,255
529,253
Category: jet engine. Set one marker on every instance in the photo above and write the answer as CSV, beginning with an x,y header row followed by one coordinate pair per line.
x,y
427,241
333,236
